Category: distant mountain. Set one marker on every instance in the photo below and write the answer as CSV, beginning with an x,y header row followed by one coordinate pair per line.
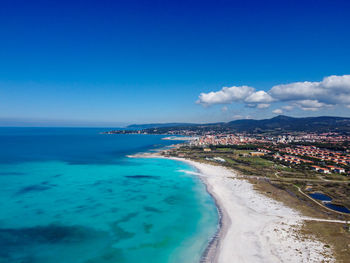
x,y
285,123
276,124
158,125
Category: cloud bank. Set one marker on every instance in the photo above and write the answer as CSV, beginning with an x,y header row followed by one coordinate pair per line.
x,y
225,95
307,96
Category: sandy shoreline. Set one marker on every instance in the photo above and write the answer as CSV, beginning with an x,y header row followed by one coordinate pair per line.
x,y
253,227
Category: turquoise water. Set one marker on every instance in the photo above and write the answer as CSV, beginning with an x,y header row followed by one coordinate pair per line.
x,y
108,208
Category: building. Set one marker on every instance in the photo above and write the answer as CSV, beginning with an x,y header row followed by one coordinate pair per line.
x,y
335,169
257,153
320,169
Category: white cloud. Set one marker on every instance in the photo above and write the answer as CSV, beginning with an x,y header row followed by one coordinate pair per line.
x,y
263,105
311,105
309,109
331,90
309,96
337,82
250,105
288,107
225,95
277,111
296,91
259,97
224,109
241,117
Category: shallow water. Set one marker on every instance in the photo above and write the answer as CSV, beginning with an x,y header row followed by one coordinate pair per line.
x,y
93,204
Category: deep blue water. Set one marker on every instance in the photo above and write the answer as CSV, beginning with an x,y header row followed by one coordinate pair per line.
x,y
71,195
326,199
338,208
321,197
71,145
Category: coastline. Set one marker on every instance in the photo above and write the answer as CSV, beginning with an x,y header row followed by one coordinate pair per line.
x,y
212,251
252,227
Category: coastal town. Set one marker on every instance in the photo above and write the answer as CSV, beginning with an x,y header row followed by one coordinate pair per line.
x,y
300,149
321,152
309,162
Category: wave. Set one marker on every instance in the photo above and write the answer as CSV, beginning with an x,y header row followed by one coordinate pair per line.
x,y
190,172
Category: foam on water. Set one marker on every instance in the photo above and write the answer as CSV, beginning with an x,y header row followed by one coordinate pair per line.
x,y
190,172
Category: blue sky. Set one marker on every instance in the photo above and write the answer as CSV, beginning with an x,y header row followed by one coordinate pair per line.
x,y
111,62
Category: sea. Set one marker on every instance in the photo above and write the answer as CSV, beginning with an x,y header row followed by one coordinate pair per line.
x,y
72,195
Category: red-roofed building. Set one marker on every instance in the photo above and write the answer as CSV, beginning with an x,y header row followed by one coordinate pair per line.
x,y
335,169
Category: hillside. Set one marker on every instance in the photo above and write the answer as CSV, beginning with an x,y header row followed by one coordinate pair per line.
x,y
276,124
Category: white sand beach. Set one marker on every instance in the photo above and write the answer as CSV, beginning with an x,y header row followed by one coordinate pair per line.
x,y
255,228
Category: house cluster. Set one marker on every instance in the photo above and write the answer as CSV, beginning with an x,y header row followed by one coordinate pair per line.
x,y
264,150
223,139
335,169
316,158
331,137
291,159
328,170
214,138
296,160
315,153
321,154
320,169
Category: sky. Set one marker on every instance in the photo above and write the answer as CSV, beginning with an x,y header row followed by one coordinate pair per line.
x,y
111,63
